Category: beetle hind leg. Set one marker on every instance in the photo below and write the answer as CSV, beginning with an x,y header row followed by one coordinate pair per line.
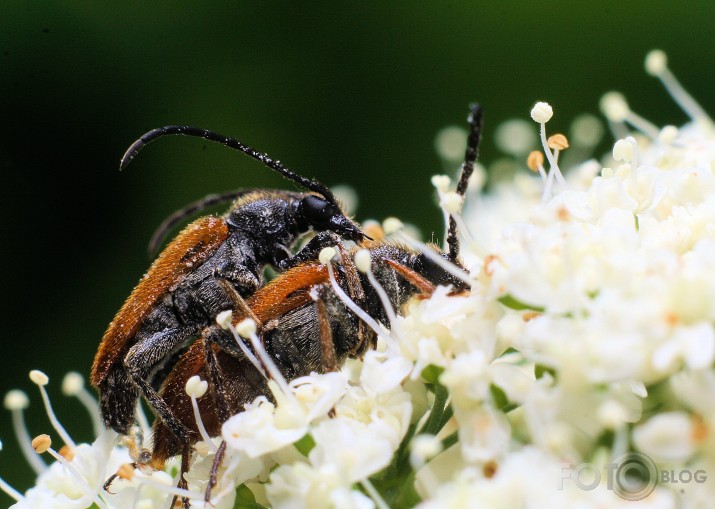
x,y
117,400
144,357
182,483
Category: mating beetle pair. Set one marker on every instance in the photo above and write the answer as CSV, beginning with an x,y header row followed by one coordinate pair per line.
x,y
182,292
216,263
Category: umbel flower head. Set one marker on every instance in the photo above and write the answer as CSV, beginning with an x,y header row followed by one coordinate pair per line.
x,y
577,372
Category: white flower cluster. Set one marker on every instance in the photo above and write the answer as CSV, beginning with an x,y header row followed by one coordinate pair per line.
x,y
577,372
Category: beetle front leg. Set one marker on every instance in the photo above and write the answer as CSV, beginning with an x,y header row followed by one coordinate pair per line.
x,y
310,251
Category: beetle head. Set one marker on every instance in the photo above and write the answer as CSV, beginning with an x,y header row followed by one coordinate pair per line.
x,y
320,214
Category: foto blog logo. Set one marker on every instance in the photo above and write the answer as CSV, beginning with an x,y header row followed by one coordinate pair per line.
x,y
632,476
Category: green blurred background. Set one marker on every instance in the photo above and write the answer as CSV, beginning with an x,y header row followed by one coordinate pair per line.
x,y
345,92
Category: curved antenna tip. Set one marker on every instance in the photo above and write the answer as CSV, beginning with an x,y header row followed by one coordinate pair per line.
x,y
130,153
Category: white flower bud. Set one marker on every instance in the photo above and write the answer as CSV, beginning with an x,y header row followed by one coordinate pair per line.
x,y
451,202
666,437
542,112
450,143
327,254
668,134
246,328
347,196
441,183
614,106
656,62
16,400
515,137
195,387
623,151
423,448
38,377
224,318
363,260
72,384
392,225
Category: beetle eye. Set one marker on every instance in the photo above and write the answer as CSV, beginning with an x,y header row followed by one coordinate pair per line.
x,y
317,211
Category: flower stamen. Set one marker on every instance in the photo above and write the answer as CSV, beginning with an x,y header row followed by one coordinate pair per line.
x,y
40,379
9,490
16,401
627,151
535,162
247,329
73,385
224,320
43,443
363,262
656,64
325,257
542,113
557,142
196,388
615,107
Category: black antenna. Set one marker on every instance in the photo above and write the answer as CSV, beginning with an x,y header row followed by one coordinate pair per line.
x,y
185,130
470,156
157,239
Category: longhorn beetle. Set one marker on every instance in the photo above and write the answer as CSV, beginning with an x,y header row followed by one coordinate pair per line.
x,y
303,325
186,285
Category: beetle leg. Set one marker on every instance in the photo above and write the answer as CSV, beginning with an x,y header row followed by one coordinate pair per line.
x,y
213,476
239,304
182,484
141,360
108,483
163,411
238,276
117,400
310,251
217,387
327,346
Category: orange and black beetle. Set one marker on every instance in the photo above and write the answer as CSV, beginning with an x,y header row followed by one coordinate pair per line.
x,y
186,285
